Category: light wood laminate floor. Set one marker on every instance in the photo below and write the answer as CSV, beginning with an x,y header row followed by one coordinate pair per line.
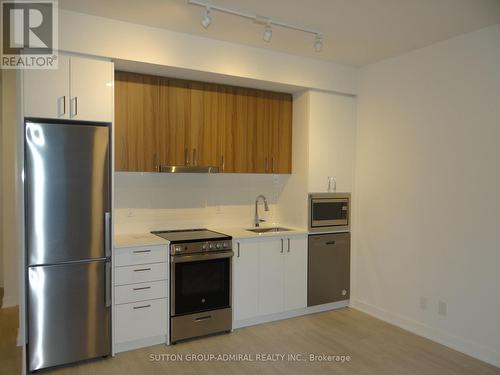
x,y
374,347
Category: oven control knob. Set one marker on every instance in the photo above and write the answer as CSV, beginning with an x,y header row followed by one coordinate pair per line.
x,y
211,246
203,247
224,245
178,249
217,246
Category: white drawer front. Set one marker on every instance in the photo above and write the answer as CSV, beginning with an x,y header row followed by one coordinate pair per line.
x,y
140,320
140,292
141,273
132,256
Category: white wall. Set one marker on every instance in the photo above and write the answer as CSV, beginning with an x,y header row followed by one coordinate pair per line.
x,y
8,150
99,36
151,201
428,185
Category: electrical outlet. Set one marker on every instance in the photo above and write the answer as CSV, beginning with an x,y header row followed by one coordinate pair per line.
x,y
442,308
130,212
423,303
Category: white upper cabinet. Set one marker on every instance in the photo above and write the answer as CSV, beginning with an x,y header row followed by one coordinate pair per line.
x,y
91,86
46,91
79,89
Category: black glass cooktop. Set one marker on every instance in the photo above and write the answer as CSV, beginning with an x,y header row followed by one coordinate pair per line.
x,y
188,235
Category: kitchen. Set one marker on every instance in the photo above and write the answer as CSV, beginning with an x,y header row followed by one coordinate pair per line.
x,y
211,204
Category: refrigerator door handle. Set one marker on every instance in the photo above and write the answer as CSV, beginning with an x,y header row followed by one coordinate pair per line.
x,y
108,285
107,234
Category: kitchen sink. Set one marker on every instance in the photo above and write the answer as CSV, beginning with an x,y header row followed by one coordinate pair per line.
x,y
269,230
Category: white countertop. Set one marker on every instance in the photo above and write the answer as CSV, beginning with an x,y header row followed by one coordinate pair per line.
x,y
242,233
138,239
145,239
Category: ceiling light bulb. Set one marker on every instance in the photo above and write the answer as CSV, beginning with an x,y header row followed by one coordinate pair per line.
x,y
207,20
318,43
268,34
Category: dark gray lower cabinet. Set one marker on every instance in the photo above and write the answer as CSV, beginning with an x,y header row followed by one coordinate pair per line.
x,y
329,268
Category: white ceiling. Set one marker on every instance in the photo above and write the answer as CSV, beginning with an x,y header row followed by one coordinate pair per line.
x,y
356,32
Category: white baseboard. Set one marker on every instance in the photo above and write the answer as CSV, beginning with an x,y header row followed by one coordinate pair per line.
x,y
457,343
289,314
9,301
137,344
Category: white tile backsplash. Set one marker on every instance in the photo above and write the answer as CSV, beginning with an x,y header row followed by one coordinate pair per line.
x,y
149,201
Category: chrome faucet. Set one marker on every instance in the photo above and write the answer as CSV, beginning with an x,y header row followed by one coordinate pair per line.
x,y
257,221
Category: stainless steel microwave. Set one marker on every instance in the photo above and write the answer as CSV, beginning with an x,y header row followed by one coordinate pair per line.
x,y
329,212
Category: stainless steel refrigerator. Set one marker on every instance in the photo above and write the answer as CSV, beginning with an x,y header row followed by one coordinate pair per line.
x,y
67,217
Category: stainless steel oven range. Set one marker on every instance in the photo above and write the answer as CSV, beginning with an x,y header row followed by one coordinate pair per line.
x,y
200,282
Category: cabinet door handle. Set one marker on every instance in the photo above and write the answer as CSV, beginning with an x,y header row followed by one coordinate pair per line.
x,y
63,112
238,250
156,163
282,249
267,166
143,288
288,240
141,307
222,162
75,107
141,251
195,159
330,243
186,156
142,269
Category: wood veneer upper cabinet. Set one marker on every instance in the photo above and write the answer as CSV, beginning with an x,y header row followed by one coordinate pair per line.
x,y
281,125
163,121
136,119
173,121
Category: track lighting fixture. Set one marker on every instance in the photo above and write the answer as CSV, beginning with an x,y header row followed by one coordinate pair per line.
x,y
261,20
318,43
268,33
207,19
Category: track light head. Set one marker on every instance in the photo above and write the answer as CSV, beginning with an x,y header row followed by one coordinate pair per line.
x,y
207,19
268,33
318,43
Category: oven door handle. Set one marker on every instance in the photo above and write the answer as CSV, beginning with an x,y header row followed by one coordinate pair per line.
x,y
198,257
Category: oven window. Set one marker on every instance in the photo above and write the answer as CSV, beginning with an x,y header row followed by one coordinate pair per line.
x,y
202,285
327,211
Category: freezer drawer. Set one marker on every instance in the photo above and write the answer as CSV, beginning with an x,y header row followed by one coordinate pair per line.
x,y
329,265
68,313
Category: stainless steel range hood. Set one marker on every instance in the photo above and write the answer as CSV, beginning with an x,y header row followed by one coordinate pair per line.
x,y
188,169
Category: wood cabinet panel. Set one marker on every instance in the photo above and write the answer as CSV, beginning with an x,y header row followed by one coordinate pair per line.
x,y
163,121
136,122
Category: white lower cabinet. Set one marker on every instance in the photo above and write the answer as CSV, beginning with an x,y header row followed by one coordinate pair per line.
x,y
270,276
141,320
245,282
140,297
295,273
